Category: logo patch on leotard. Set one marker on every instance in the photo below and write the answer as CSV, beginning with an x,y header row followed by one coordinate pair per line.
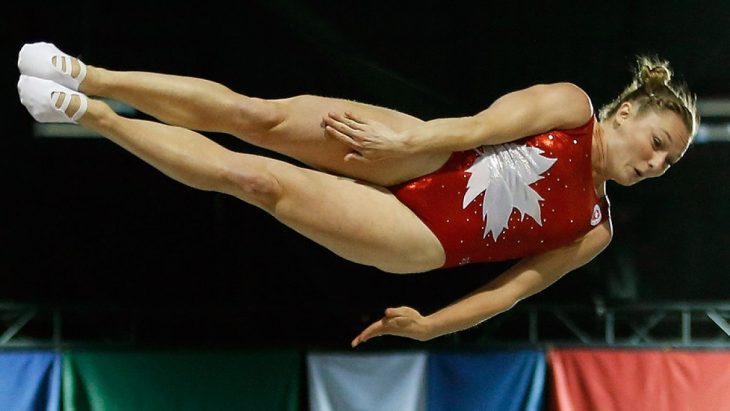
x,y
504,173
596,216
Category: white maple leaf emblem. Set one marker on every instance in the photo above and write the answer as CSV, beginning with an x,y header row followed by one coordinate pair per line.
x,y
504,173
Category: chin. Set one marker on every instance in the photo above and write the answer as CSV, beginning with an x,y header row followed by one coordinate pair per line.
x,y
626,182
628,178
633,180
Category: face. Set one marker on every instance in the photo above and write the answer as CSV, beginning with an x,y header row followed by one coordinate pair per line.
x,y
643,146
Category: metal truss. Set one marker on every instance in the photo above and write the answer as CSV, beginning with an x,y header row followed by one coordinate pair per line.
x,y
674,325
29,326
667,325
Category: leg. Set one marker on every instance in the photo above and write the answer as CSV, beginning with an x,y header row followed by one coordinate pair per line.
x,y
295,196
380,232
289,126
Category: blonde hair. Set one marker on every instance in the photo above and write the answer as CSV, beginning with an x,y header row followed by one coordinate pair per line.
x,y
652,88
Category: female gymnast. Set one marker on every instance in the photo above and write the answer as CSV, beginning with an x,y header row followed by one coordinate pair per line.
x,y
524,178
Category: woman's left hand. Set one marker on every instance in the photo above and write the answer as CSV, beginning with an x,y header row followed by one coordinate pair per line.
x,y
401,321
368,139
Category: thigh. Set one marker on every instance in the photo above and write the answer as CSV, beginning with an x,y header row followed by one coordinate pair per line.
x,y
302,136
358,221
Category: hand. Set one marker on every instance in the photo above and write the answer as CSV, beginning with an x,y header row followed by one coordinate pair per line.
x,y
401,321
369,140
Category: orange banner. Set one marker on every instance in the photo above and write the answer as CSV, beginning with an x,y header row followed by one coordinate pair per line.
x,y
639,380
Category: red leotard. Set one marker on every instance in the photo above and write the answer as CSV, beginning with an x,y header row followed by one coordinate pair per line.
x,y
546,177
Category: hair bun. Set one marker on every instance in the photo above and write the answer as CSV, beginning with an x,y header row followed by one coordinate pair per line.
x,y
653,73
651,86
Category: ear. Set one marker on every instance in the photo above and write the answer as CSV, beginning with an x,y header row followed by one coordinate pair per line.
x,y
625,110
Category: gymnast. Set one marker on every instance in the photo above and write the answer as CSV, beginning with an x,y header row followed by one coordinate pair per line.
x,y
524,179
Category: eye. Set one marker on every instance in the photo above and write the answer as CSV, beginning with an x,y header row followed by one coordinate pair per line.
x,y
657,141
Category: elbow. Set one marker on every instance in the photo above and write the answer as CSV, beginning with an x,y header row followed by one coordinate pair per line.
x,y
508,301
604,235
511,304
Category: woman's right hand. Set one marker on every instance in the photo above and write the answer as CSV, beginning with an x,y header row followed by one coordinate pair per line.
x,y
401,322
368,139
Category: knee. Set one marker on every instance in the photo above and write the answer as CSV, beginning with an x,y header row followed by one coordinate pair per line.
x,y
256,186
255,116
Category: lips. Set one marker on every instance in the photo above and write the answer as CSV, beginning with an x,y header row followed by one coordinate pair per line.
x,y
638,173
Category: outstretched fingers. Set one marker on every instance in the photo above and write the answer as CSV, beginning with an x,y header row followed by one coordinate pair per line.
x,y
375,329
341,126
348,130
344,134
371,140
352,121
356,146
400,321
354,118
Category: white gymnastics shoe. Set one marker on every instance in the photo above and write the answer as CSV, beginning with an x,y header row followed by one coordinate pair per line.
x,y
47,101
45,60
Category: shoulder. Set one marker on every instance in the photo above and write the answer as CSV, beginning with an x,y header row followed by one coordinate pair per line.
x,y
572,105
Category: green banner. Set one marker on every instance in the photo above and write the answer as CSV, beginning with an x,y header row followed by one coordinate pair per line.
x,y
195,381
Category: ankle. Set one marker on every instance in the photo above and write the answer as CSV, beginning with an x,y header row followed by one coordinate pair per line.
x,y
98,115
96,81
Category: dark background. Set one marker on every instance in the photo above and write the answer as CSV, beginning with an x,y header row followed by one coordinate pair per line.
x,y
86,226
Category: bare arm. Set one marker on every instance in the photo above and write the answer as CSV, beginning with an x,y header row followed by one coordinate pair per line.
x,y
529,276
515,115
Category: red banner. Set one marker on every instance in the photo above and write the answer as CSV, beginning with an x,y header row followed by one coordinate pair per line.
x,y
639,380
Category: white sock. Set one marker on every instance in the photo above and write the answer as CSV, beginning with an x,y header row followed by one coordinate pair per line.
x,y
36,60
40,97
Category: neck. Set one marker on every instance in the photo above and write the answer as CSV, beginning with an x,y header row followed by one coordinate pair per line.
x,y
599,160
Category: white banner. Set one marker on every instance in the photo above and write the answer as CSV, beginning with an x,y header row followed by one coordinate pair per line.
x,y
364,382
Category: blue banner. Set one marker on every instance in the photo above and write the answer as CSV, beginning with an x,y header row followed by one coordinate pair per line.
x,y
504,381
30,381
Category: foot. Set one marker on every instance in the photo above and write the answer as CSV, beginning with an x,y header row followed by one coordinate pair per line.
x,y
46,61
49,102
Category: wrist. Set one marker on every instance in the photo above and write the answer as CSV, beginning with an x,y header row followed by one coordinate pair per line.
x,y
430,328
407,143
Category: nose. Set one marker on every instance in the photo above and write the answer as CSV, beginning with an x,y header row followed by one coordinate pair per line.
x,y
658,163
